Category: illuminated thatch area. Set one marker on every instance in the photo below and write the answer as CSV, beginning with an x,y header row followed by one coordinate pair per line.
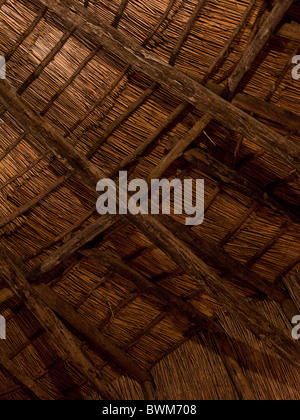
x,y
145,307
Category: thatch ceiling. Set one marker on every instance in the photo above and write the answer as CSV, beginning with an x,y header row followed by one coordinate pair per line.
x,y
144,306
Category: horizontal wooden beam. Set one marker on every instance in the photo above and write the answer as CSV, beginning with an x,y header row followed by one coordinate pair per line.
x,y
174,80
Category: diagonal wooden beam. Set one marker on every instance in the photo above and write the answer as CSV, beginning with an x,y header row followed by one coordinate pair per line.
x,y
183,36
231,178
61,336
215,255
25,34
120,13
267,110
108,349
258,43
80,239
29,383
206,277
149,226
173,302
105,346
174,80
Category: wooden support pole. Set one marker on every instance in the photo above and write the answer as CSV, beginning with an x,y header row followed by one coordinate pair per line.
x,y
35,74
160,22
12,146
61,336
179,147
138,152
227,48
30,204
119,13
80,239
118,121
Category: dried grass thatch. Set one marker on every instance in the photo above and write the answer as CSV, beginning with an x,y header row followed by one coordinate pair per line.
x,y
89,95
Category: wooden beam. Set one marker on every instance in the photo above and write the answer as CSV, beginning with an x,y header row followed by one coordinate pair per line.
x,y
229,357
185,33
12,146
37,125
225,175
29,383
174,80
262,37
214,255
140,151
108,349
180,147
35,74
105,346
119,13
48,136
248,316
80,239
228,46
159,23
123,117
290,30
25,34
30,204
268,111
173,302
61,336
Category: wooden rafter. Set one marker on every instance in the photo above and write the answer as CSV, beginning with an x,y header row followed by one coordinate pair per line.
x,y
227,48
186,31
105,346
175,303
151,227
258,43
35,74
228,176
25,34
60,334
175,80
29,383
269,111
206,277
120,13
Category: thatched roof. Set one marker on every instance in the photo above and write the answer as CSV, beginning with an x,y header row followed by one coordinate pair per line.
x,y
144,306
